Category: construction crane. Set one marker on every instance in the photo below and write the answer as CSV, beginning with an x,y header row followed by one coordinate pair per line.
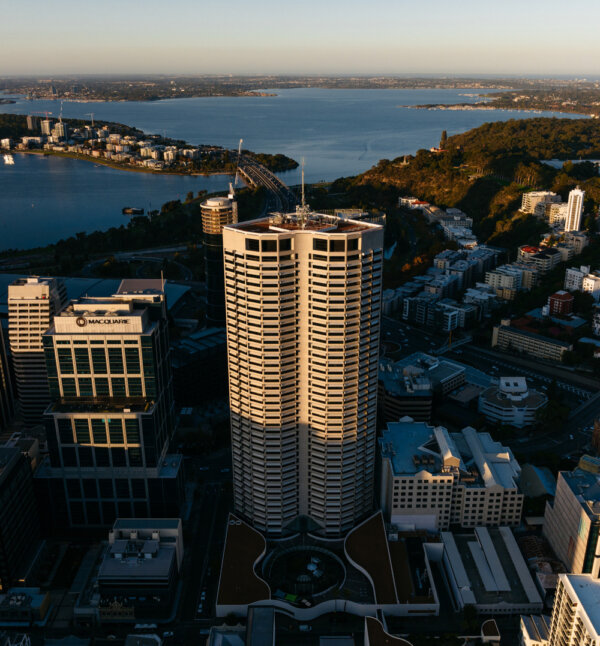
x,y
45,112
60,113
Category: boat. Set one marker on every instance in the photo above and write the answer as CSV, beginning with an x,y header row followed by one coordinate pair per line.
x,y
9,159
132,210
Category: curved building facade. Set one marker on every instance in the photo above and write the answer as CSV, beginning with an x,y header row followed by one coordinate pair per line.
x,y
216,213
303,300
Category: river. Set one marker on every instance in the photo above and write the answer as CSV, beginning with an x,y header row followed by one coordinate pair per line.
x,y
337,132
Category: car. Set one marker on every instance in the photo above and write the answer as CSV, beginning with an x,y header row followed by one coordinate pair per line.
x,y
226,470
168,633
304,628
571,437
203,595
202,468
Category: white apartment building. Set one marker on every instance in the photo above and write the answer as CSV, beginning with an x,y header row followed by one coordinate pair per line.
x,y
32,304
532,199
431,478
303,301
504,277
574,277
591,285
574,210
556,214
576,613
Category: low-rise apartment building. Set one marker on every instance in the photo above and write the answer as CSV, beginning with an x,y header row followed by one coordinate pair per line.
x,y
506,337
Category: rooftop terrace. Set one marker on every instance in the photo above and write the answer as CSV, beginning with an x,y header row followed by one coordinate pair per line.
x,y
303,221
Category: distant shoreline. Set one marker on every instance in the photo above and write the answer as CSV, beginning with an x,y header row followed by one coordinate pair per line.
x,y
104,162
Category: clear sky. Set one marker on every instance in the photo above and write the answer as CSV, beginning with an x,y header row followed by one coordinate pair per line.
x,y
539,37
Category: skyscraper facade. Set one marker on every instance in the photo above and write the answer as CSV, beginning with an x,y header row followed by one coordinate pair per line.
x,y
6,390
111,417
216,213
303,300
574,210
32,304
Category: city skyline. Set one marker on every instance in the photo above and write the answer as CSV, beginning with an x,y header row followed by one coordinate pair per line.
x,y
386,38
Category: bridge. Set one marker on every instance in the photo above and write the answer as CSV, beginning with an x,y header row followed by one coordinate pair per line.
x,y
281,197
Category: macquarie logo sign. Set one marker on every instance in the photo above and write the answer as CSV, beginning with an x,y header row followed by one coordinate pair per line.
x,y
82,321
90,324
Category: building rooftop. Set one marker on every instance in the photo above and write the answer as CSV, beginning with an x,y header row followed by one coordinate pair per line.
x,y
489,567
413,447
303,221
587,590
137,560
147,523
586,488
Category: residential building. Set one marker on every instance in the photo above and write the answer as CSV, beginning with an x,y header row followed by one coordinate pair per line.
x,y
572,521
596,320
543,258
19,523
533,201
303,299
591,285
574,277
431,479
506,337
556,214
505,277
110,421
511,402
576,616
216,213
577,239
32,304
140,569
574,210
46,125
561,303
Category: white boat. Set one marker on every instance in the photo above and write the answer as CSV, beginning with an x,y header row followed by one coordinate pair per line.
x,y
9,159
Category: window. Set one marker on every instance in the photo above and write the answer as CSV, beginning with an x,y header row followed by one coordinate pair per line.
x,y
82,431
115,431
106,488
99,360
319,244
102,456
135,387
269,245
285,244
82,360
115,359
85,387
252,244
102,389
99,431
118,386
65,360
337,245
132,359
353,244
132,429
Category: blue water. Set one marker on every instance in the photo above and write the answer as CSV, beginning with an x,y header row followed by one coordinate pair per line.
x,y
337,132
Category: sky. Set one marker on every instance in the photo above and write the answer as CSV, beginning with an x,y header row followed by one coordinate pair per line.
x,y
528,37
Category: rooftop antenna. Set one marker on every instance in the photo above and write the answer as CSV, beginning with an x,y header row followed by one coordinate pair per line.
x,y
162,280
90,114
303,198
303,210
60,115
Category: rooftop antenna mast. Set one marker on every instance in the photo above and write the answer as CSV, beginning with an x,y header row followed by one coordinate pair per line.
x,y
303,210
237,168
60,115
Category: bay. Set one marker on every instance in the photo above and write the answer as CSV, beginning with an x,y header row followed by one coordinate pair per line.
x,y
337,132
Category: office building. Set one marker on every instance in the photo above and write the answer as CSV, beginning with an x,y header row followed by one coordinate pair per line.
x,y
572,521
511,402
303,297
32,304
19,523
7,403
404,391
574,210
140,569
535,201
216,213
111,418
576,613
506,337
431,479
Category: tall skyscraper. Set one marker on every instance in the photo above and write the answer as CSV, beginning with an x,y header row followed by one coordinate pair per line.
x,y
111,418
303,300
216,213
32,303
574,210
7,403
46,125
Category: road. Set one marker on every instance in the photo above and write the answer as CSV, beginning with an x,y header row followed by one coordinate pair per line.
x,y
283,198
